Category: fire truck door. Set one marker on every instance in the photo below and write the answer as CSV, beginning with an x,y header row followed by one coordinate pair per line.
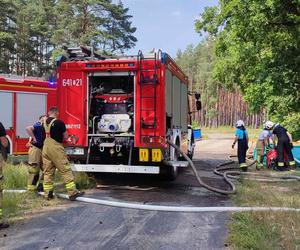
x,y
73,104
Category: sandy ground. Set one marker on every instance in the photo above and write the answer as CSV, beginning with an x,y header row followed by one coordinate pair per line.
x,y
86,226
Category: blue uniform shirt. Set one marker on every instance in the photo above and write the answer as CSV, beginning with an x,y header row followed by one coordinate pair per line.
x,y
240,133
39,134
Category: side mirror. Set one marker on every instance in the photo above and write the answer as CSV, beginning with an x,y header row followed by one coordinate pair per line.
x,y
198,105
197,96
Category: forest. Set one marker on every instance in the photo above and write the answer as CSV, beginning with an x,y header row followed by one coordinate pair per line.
x,y
246,65
221,106
251,50
34,32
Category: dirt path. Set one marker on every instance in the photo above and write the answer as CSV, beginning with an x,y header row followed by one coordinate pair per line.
x,y
86,226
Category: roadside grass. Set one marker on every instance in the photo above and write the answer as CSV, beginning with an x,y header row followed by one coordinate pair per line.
x,y
253,133
15,176
266,230
17,205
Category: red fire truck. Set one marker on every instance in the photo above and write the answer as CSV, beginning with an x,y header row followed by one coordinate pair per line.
x,y
120,112
22,101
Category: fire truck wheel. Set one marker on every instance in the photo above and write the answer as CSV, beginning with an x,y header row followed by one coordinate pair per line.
x,y
172,173
191,153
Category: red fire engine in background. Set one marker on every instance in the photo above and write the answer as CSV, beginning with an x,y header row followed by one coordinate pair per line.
x,y
120,112
22,101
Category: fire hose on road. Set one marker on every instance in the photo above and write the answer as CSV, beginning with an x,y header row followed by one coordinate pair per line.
x,y
230,172
201,182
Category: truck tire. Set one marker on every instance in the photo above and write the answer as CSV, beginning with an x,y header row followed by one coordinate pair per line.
x,y
191,153
171,173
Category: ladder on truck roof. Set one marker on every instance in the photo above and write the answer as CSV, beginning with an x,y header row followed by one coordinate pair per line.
x,y
148,80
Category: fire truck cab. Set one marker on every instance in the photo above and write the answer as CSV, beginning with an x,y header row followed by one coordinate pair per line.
x,y
22,101
120,112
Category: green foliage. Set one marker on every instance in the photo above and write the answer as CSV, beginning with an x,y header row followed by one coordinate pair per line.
x,y
258,48
198,62
33,31
292,123
83,181
100,22
15,176
195,124
247,233
17,205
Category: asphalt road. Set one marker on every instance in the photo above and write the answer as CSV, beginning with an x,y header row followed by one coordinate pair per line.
x,y
85,226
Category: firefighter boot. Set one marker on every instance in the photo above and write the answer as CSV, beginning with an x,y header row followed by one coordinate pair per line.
x,y
50,196
259,165
33,177
292,165
76,195
244,167
48,191
280,166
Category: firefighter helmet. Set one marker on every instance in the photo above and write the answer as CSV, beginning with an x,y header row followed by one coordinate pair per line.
x,y
239,123
269,125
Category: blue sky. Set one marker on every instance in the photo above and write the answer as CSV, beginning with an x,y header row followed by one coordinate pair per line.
x,y
165,24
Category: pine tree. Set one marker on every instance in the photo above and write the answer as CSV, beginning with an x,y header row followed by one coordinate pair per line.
x,y
7,32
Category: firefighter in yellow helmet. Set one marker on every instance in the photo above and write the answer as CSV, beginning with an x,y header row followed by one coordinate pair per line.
x,y
54,156
4,144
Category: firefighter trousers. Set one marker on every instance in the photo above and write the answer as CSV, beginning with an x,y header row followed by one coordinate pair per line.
x,y
241,151
35,162
54,157
1,187
259,152
284,145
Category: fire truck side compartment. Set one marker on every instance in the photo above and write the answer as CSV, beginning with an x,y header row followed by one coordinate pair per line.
x,y
176,101
169,83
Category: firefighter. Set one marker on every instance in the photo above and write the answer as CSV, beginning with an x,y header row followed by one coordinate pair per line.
x,y
35,161
4,144
263,142
54,156
241,136
284,145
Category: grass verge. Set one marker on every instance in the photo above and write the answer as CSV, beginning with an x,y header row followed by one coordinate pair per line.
x,y
18,205
253,133
266,230
15,176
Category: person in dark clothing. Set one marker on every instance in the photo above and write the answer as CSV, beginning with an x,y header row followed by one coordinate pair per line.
x,y
3,143
241,136
284,144
35,162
